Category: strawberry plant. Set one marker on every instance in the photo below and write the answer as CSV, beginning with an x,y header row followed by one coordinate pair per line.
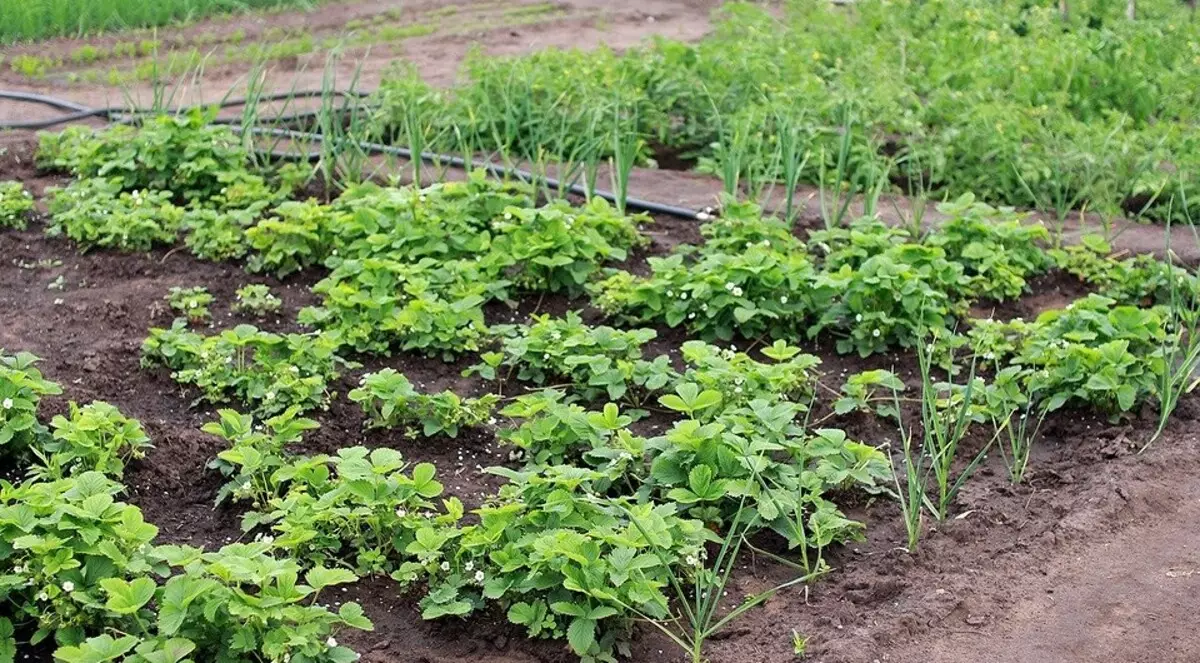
x,y
96,212
21,390
595,361
60,542
1093,352
561,559
447,220
720,461
256,299
254,453
871,391
92,438
389,400
295,236
15,205
553,431
1140,280
753,293
890,299
997,250
217,235
191,302
557,248
268,372
358,507
238,603
738,378
184,154
375,305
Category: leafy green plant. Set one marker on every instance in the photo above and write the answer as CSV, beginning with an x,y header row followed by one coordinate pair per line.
x,y
62,540
92,438
254,453
592,361
295,236
184,154
376,305
191,302
22,387
15,205
557,248
358,508
996,248
256,299
759,292
390,400
888,300
235,603
96,212
561,558
738,378
269,372
871,391
717,456
554,431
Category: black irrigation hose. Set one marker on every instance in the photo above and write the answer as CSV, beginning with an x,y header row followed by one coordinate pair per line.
x,y
491,168
124,116
118,113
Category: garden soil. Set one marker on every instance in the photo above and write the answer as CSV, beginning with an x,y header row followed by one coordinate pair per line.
x,y
1095,558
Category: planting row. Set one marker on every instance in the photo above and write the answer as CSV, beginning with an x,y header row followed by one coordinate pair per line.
x,y
1016,102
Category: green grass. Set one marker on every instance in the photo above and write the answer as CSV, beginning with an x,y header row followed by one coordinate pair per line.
x,y
37,19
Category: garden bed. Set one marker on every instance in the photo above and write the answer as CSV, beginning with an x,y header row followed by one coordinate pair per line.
x,y
87,316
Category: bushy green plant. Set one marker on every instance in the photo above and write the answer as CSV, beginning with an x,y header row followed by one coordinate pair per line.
x,y
92,438
390,400
447,220
96,212
60,541
720,461
557,248
254,452
256,299
191,302
15,205
359,508
184,154
996,248
240,602
890,299
753,293
1140,280
739,378
560,558
870,391
376,305
217,235
295,236
268,372
595,361
1093,352
22,387
553,431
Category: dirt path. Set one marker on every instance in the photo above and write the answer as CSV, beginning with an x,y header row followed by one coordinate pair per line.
x,y
1133,598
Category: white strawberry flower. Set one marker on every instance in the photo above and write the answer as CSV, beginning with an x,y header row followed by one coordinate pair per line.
x,y
68,586
8,403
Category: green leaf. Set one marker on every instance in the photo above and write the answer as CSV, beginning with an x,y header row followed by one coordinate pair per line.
x,y
352,614
126,598
581,634
99,649
321,577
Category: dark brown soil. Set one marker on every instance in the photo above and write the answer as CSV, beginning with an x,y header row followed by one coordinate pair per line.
x,y
1093,558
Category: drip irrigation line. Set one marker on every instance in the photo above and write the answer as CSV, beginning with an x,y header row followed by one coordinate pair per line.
x,y
76,112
